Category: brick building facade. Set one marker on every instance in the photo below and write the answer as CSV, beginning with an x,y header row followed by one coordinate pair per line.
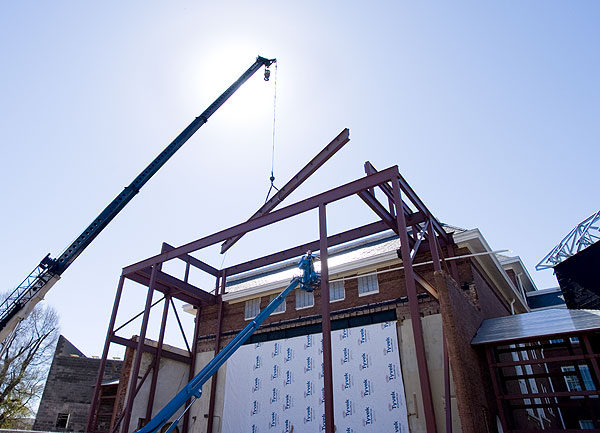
x,y
369,280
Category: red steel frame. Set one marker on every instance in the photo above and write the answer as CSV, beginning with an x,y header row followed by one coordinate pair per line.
x,y
508,402
411,226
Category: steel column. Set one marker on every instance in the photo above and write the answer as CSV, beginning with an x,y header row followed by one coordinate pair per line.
x,y
593,360
186,417
138,354
213,383
326,323
91,427
413,305
157,357
499,403
433,247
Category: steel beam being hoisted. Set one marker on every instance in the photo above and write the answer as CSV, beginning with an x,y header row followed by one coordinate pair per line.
x,y
21,301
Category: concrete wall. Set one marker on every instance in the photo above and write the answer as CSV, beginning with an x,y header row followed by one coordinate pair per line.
x,y
432,334
172,377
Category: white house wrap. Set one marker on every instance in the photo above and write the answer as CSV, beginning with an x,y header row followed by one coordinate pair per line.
x,y
273,386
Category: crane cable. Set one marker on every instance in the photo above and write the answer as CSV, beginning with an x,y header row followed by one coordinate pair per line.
x,y
272,178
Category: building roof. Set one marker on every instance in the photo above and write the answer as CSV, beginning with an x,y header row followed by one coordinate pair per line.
x,y
546,298
536,324
369,253
339,258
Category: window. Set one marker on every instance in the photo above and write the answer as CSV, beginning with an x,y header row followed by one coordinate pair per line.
x,y
280,308
572,381
304,299
367,285
336,291
252,308
62,420
586,424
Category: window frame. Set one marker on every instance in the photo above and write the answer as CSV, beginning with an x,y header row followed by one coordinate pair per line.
x,y
305,293
331,300
371,292
246,308
60,417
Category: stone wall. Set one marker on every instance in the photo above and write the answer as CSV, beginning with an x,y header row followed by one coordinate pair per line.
x,y
70,387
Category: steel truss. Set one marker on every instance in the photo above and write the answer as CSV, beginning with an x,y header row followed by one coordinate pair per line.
x,y
586,233
404,213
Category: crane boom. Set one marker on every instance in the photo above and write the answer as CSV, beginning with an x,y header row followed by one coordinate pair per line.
x,y
20,302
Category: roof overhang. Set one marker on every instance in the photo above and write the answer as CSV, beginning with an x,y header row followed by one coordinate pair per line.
x,y
474,241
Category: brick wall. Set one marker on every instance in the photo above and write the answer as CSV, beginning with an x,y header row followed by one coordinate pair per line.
x,y
462,314
391,287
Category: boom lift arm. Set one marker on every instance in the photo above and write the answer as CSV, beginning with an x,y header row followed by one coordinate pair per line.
x,y
39,281
309,281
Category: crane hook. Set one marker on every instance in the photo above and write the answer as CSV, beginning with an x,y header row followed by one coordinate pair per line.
x,y
267,74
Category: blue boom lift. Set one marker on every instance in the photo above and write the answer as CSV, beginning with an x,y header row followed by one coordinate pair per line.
x,y
193,390
19,302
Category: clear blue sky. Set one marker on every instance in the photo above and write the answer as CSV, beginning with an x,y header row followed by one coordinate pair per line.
x,y
490,110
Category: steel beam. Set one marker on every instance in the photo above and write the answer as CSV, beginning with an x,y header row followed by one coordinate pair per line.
x,y
414,198
144,280
165,280
499,403
193,261
333,240
336,144
378,208
272,217
387,190
150,349
290,253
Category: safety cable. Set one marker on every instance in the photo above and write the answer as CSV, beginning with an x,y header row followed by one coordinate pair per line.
x,y
272,178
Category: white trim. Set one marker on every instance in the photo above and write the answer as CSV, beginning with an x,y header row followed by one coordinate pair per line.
x,y
475,242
